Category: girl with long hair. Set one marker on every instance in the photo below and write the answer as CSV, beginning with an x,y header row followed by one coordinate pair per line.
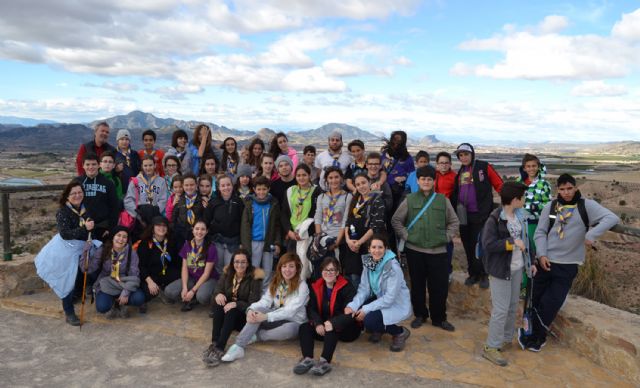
x,y
280,146
230,158
197,148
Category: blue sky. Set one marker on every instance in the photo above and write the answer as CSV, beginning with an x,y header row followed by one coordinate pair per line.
x,y
501,70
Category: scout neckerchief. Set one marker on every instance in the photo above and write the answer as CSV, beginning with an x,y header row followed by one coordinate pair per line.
x,y
189,201
563,213
244,191
333,200
234,288
231,166
116,259
165,257
147,186
195,255
80,213
127,155
281,293
389,162
336,157
362,200
302,196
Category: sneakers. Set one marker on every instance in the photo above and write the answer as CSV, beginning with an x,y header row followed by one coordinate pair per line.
x,y
416,323
214,357
208,351
523,339
235,352
528,343
445,325
536,345
470,281
253,339
114,312
303,366
484,282
321,368
124,312
374,338
72,319
494,355
398,341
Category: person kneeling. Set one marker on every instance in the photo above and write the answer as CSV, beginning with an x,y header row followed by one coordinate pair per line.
x,y
327,322
383,298
280,311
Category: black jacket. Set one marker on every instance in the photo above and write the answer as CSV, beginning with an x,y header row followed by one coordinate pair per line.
x,y
319,309
69,224
249,291
151,265
101,200
224,217
497,245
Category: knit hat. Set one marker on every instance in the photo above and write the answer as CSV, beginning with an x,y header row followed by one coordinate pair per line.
x,y
121,228
426,171
284,158
160,220
244,170
335,133
123,133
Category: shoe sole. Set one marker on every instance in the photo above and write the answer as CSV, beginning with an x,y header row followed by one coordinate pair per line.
x,y
301,371
319,372
405,342
522,346
494,361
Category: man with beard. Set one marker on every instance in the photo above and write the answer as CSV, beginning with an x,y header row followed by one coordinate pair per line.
x,y
333,157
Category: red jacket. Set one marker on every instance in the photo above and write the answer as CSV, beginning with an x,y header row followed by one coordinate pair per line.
x,y
341,295
445,183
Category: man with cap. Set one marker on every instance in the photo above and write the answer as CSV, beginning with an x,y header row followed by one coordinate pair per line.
x,y
129,157
97,146
279,187
473,200
334,156
425,222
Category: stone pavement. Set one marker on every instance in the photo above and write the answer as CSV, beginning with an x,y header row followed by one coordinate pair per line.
x,y
431,353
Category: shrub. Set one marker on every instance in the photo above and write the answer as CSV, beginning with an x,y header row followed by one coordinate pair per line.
x,y
592,281
622,202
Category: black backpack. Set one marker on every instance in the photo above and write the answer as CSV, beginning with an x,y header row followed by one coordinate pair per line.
x,y
582,209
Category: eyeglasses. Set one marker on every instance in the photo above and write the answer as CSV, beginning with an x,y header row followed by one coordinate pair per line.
x,y
171,165
373,164
330,270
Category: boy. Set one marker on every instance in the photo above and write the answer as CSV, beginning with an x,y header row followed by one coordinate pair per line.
x,y
359,164
149,142
532,174
419,221
107,165
260,231
374,166
100,197
309,158
422,159
286,179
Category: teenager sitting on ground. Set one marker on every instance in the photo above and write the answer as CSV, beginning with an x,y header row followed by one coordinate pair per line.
x,y
186,209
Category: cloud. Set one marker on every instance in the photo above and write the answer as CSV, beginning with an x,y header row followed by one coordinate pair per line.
x,y
598,88
291,49
178,92
115,86
546,54
403,61
628,28
340,68
312,80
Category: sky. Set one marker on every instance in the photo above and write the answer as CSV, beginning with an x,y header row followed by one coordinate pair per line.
x,y
488,70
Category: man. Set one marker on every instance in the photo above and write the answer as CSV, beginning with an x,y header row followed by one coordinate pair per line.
x,y
96,146
333,157
427,222
149,142
561,238
100,197
279,187
473,200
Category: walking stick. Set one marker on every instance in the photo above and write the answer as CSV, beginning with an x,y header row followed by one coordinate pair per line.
x,y
84,283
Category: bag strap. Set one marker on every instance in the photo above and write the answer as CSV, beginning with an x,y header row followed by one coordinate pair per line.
x,y
582,210
421,212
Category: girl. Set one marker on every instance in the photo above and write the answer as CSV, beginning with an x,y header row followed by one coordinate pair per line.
x,y
206,188
397,163
171,170
280,146
57,262
279,313
159,262
506,246
364,218
199,145
131,160
179,140
382,300
176,193
256,149
230,158
186,210
267,167
330,216
243,187
198,277
328,297
147,189
118,283
239,287
223,216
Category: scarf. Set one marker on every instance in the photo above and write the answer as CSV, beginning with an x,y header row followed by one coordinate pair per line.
x,y
194,257
234,288
362,200
165,257
281,293
375,269
564,211
189,202
116,259
231,167
126,154
80,213
244,191
336,157
333,200
302,196
147,186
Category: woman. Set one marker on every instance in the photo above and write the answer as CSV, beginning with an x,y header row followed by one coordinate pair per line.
x,y
280,146
328,298
256,149
223,216
267,167
506,252
206,189
171,170
364,218
159,261
179,140
186,209
118,283
239,287
199,145
279,313
176,192
198,276
57,262
209,165
330,217
243,187
398,164
382,300
230,158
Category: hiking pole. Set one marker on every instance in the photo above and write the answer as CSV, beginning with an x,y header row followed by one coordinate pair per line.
x,y
84,282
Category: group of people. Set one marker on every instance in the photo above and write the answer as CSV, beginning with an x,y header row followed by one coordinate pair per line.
x,y
313,247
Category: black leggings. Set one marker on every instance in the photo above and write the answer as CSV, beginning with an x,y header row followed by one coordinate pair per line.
x,y
308,334
224,324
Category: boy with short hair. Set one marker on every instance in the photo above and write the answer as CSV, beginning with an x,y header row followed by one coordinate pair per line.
x,y
309,158
422,159
107,165
375,174
286,178
260,232
149,142
359,164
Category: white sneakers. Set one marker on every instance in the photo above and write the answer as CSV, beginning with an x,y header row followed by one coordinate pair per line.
x,y
235,352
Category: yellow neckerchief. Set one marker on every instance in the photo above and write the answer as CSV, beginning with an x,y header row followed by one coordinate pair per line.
x,y
116,259
147,185
164,255
332,205
563,213
362,200
302,196
189,201
127,155
80,213
235,286
195,255
281,293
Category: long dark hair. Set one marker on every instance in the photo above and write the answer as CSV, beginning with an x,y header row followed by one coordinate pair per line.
x,y
225,155
178,133
196,136
231,271
253,160
274,149
107,248
147,234
401,152
64,197
205,157
357,196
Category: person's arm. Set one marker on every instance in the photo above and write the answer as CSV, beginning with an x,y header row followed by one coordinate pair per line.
x,y
184,275
245,228
491,241
494,178
291,305
66,228
130,199
340,320
601,218
285,215
542,231
144,253
399,219
317,218
277,232
208,267
163,197
453,223
312,309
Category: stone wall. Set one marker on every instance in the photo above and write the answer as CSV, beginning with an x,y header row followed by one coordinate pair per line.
x,y
18,277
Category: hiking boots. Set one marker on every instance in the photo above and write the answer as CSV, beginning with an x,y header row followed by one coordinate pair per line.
x,y
398,341
214,358
114,312
303,366
72,319
124,312
536,345
484,282
416,323
374,338
494,355
470,281
445,325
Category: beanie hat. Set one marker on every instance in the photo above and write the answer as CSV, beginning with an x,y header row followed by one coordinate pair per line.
x,y
160,220
284,158
123,133
244,170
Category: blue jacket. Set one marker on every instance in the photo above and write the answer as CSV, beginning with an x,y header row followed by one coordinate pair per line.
x,y
393,299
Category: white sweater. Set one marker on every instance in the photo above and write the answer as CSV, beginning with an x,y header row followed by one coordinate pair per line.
x,y
294,308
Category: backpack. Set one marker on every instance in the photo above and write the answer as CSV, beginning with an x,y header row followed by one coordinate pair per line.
x,y
125,219
582,209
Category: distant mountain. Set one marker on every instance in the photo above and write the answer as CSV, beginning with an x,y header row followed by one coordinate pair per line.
x,y
24,121
321,134
429,140
614,148
45,137
266,134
